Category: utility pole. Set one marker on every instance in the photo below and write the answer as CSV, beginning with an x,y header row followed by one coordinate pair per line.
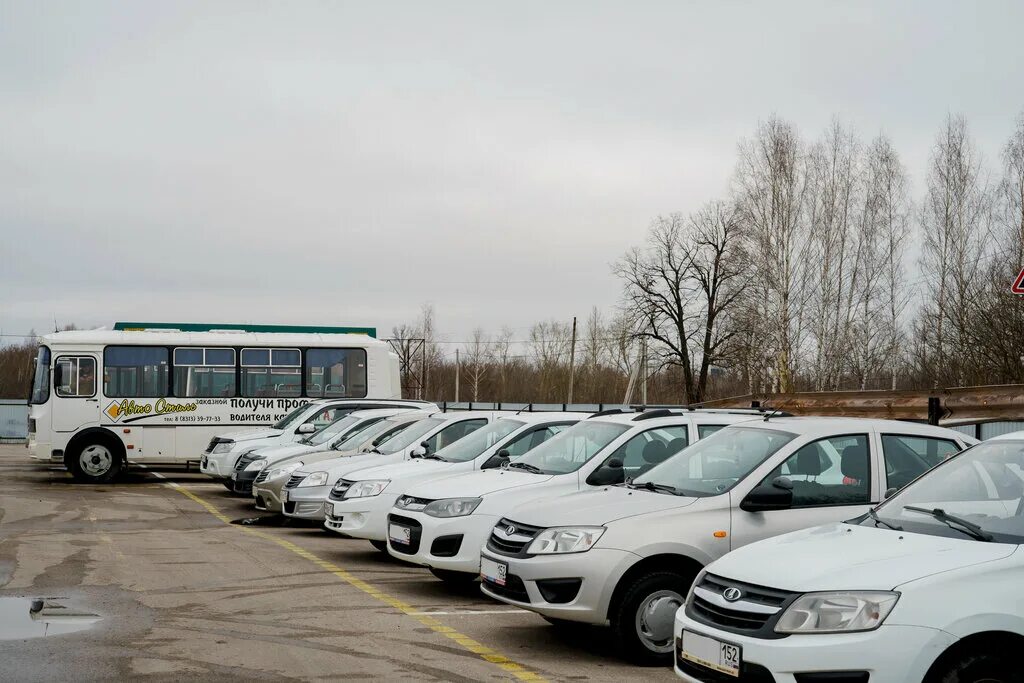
x,y
643,361
456,375
572,359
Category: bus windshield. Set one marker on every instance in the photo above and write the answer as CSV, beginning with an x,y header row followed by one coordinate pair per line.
x,y
291,417
41,377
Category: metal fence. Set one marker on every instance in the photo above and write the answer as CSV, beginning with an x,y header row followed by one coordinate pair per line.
x,y
986,430
13,420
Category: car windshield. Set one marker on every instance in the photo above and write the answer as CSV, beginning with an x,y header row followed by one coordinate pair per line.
x,y
714,465
479,441
361,437
41,377
408,437
570,450
983,486
332,430
291,418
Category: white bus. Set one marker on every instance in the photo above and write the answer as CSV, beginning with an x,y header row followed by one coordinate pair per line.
x,y
156,393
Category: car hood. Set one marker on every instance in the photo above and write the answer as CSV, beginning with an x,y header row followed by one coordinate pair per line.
x,y
596,506
850,557
275,453
407,469
344,464
252,434
475,484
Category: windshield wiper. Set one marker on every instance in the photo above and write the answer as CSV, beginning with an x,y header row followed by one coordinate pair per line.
x,y
878,520
526,466
651,486
954,522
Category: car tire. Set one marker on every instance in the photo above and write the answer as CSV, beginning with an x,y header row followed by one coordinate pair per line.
x,y
980,667
97,459
382,546
454,578
644,620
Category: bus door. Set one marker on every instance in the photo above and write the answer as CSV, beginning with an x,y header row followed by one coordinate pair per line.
x,y
75,403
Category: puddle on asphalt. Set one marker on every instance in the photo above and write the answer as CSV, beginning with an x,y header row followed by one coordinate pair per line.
x,y
22,618
265,520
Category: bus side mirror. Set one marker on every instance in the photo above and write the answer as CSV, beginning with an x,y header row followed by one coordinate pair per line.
x,y
306,428
499,459
776,495
609,473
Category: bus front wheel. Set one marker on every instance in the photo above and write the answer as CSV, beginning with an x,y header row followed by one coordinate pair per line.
x,y
96,460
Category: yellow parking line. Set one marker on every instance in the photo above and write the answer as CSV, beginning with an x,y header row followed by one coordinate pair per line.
x,y
487,654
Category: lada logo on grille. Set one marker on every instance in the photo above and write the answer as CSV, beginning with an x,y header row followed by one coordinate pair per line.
x,y
510,529
732,594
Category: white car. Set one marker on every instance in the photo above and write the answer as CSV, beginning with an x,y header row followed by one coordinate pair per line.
x,y
926,587
362,500
271,478
601,450
224,450
317,446
306,491
626,555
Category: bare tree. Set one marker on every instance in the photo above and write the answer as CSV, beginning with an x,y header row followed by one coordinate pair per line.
x,y
477,353
770,185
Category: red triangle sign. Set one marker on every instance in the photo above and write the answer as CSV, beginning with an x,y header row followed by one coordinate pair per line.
x,y
1018,284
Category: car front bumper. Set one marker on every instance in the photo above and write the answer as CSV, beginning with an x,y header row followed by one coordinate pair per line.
x,y
305,502
889,654
218,465
529,579
267,494
458,539
241,482
361,517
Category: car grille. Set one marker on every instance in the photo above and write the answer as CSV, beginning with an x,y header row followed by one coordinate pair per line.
x,y
416,532
294,480
339,490
514,544
262,476
754,613
243,461
514,588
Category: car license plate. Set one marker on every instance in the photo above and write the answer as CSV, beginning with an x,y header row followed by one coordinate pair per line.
x,y
492,571
284,495
400,534
725,658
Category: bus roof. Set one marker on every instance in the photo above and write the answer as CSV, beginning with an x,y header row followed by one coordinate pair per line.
x,y
212,339
235,327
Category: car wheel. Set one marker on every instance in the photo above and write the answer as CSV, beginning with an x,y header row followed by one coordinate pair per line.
x,y
981,667
380,545
644,621
448,576
97,461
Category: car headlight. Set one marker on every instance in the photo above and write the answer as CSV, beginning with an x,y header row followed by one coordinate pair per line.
x,y
256,465
837,611
281,471
223,447
574,539
314,479
368,488
452,507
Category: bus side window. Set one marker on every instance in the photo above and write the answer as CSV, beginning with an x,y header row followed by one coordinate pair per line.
x,y
75,376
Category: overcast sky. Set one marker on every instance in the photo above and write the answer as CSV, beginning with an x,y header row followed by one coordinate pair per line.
x,y
343,163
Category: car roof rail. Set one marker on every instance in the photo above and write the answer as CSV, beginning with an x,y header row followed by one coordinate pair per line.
x,y
610,411
656,413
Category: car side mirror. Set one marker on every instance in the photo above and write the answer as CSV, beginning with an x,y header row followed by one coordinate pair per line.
x,y
306,428
418,452
889,493
499,459
607,474
775,495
